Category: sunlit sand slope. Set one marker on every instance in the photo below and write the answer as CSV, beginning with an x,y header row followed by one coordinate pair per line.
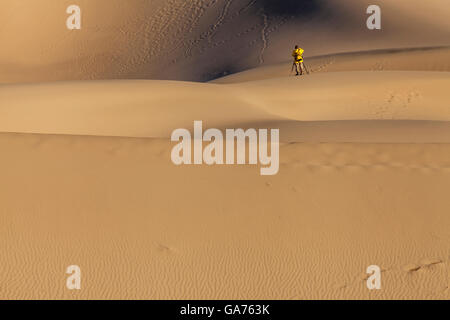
x,y
156,108
125,214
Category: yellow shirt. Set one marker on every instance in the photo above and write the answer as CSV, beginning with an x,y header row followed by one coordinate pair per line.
x,y
298,54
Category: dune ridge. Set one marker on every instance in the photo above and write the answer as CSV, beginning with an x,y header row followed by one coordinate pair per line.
x,y
307,233
103,108
198,40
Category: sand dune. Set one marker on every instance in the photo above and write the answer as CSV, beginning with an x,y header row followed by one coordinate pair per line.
x,y
142,228
197,40
406,59
150,109
87,177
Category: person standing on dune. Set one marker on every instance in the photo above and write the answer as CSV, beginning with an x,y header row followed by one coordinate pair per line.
x,y
298,60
